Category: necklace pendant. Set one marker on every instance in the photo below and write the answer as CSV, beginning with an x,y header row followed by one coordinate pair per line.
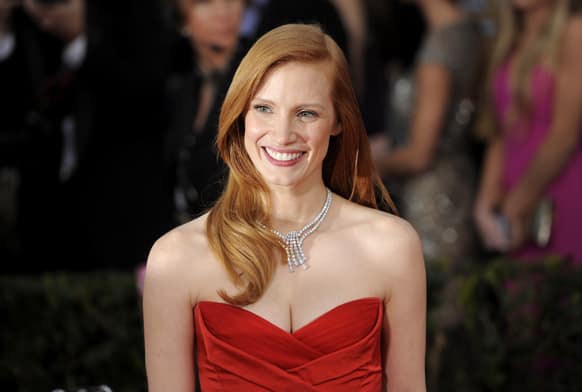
x,y
293,241
295,256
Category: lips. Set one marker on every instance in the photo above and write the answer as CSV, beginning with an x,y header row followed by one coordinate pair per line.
x,y
283,156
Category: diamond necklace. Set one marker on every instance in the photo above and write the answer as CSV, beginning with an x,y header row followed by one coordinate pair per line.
x,y
294,239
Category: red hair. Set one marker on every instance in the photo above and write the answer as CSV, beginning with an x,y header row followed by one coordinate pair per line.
x,y
235,231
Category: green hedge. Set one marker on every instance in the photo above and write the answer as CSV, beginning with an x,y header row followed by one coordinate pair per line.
x,y
500,326
70,330
517,327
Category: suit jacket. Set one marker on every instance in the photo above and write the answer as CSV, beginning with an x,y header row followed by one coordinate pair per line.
x,y
191,156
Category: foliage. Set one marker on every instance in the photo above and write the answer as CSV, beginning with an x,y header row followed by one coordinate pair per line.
x,y
64,330
520,329
499,326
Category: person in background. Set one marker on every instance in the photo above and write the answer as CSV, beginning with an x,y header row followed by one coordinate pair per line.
x,y
203,67
534,154
104,100
433,165
295,279
21,70
57,122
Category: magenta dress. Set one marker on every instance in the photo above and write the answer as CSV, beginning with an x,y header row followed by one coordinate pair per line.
x,y
522,140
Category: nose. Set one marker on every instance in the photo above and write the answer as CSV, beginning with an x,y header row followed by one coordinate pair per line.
x,y
284,132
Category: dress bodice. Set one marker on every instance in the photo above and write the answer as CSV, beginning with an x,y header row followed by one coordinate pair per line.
x,y
338,351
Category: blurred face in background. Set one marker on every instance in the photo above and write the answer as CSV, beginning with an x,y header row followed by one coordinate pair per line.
x,y
214,26
64,19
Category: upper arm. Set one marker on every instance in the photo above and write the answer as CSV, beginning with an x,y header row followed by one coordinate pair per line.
x,y
168,321
405,319
568,102
433,91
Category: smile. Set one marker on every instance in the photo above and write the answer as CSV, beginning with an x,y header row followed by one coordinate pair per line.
x,y
283,156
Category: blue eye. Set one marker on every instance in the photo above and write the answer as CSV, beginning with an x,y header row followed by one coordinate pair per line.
x,y
262,108
306,113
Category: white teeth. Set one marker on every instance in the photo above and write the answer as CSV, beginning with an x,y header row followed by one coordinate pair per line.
x,y
283,156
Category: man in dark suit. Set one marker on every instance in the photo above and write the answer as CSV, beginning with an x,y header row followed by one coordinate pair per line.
x,y
20,72
107,108
41,99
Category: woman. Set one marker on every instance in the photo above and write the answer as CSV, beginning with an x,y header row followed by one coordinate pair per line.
x,y
434,165
535,155
220,285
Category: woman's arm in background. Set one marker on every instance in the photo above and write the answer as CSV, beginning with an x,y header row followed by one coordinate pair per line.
x,y
560,142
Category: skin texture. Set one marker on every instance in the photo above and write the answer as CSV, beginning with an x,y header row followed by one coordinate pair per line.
x,y
357,252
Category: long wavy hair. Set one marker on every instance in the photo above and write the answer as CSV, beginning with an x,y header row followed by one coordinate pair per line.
x,y
235,226
545,51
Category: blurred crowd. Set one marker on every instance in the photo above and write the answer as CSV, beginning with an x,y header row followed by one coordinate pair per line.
x,y
109,111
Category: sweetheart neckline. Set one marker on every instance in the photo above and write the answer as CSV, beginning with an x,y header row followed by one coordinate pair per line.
x,y
294,332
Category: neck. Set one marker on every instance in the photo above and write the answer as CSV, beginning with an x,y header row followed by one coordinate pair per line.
x,y
292,209
438,13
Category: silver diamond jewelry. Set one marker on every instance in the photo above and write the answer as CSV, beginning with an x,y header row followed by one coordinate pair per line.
x,y
294,239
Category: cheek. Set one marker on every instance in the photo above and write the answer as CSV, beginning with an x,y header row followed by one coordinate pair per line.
x,y
197,25
321,143
252,134
255,126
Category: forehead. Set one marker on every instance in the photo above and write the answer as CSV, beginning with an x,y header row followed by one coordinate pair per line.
x,y
297,81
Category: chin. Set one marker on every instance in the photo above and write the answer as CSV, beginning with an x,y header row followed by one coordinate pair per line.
x,y
280,181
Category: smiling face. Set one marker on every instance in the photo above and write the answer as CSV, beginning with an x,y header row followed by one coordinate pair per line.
x,y
289,123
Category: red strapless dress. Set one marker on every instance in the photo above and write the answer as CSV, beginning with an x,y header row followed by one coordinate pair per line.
x,y
339,351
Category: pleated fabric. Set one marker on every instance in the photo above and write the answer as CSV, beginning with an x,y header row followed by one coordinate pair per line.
x,y
238,350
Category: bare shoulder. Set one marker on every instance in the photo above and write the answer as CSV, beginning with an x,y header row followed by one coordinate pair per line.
x,y
387,238
179,257
180,241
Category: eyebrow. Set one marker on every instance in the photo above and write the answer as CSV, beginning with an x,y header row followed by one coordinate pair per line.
x,y
302,105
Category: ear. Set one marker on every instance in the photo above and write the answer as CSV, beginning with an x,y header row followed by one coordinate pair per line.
x,y
337,129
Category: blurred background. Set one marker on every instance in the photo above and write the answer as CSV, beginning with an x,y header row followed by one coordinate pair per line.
x,y
108,113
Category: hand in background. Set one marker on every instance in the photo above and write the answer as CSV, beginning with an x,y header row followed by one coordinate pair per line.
x,y
490,229
519,208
